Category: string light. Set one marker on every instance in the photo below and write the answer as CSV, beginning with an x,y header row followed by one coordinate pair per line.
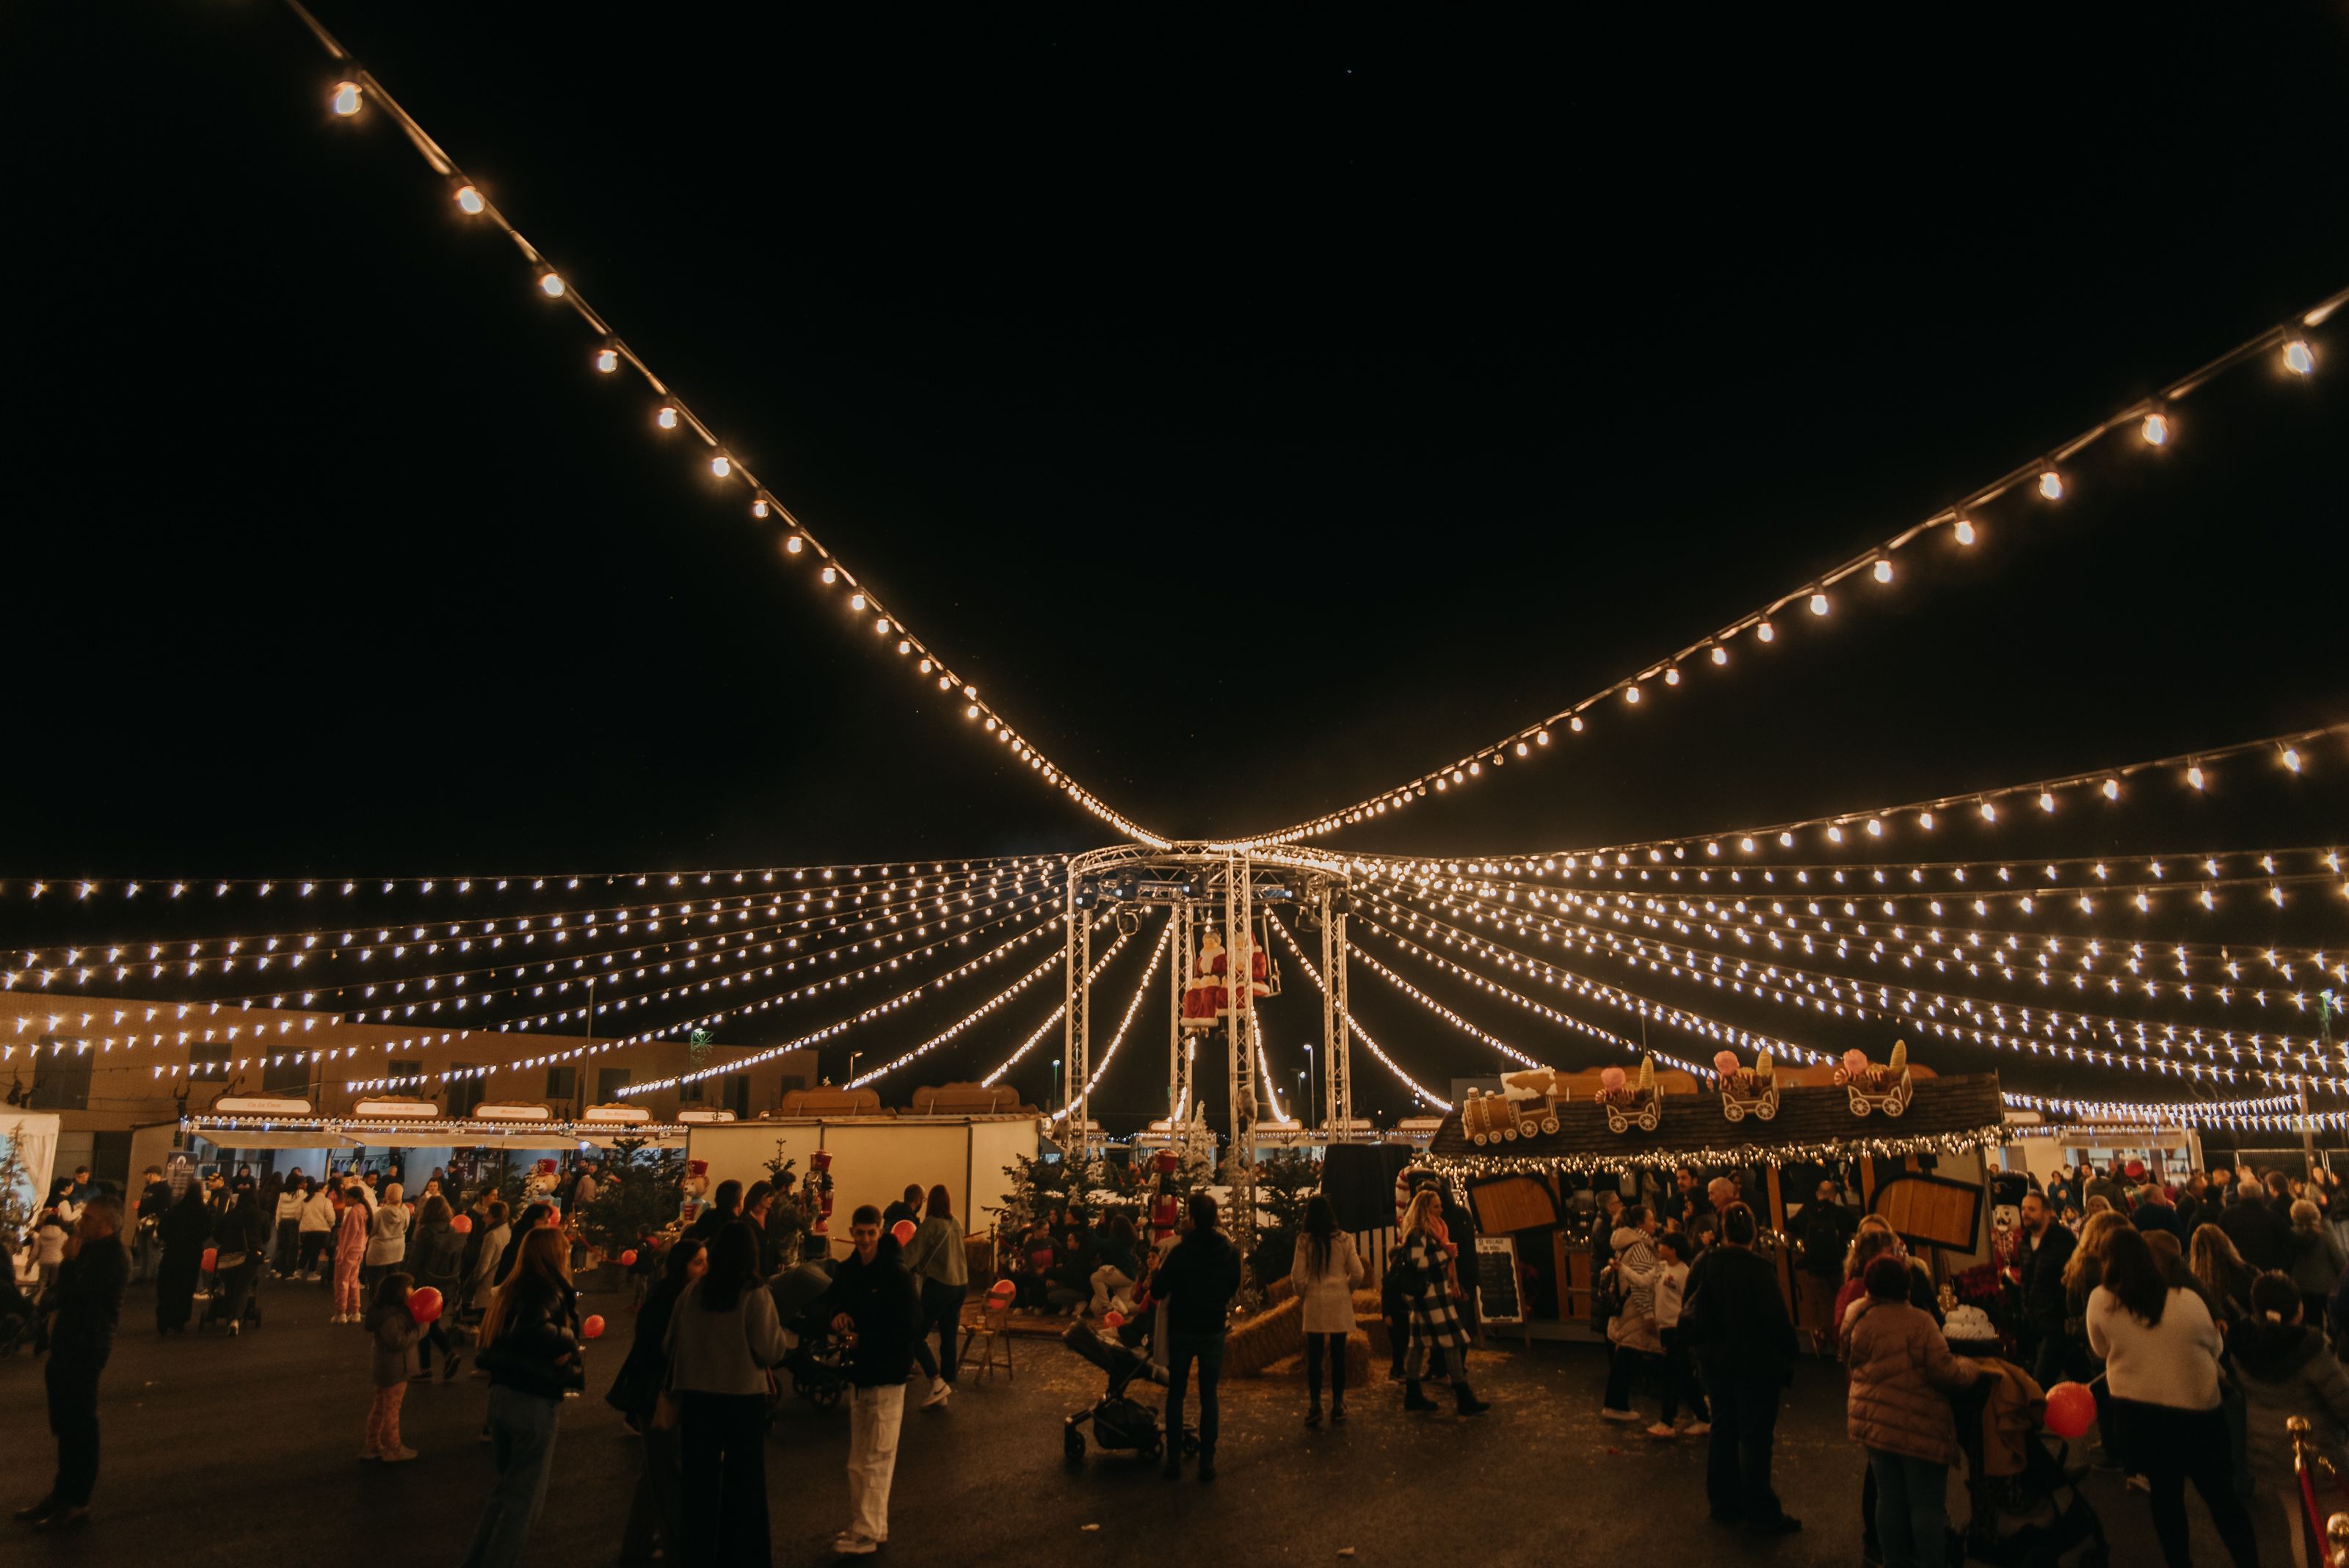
x,y
1819,604
1964,531
1370,1042
470,200
2298,357
550,285
2154,430
2051,484
1134,1006
346,99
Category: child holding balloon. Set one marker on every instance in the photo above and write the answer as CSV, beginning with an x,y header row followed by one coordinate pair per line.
x,y
392,1320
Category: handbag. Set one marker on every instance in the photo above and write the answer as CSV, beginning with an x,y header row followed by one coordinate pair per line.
x,y
224,1261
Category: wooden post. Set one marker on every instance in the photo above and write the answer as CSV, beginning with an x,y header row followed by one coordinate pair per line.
x,y
1786,1254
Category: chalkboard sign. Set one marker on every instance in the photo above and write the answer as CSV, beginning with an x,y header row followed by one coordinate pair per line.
x,y
1496,1279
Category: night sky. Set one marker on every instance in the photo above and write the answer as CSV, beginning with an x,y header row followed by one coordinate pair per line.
x,y
1261,411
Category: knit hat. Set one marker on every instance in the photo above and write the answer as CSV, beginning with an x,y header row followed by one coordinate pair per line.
x,y
1888,1276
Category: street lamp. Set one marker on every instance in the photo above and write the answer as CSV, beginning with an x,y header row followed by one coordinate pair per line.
x,y
1308,1076
853,1056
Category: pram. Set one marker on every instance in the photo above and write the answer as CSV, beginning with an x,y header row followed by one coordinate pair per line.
x,y
2040,1518
817,1362
18,1315
1119,1423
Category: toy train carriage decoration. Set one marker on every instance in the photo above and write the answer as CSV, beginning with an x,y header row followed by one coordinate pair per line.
x,y
1886,1088
1746,1091
1527,1106
1632,1103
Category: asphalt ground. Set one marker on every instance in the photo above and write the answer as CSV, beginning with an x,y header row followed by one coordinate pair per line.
x,y
242,1452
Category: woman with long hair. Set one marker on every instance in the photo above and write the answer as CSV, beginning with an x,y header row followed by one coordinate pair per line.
x,y
435,1258
2162,1355
1326,1269
1431,1286
656,1515
350,1253
2226,1277
941,1268
722,1337
186,1228
530,1347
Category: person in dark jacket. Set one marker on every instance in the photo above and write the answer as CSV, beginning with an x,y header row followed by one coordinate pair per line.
x,y
147,1231
873,1303
539,1216
2261,1235
2285,1371
530,1344
1745,1344
656,1514
1198,1282
435,1258
908,1208
2048,1248
86,1305
725,1208
2155,1211
239,1236
187,1230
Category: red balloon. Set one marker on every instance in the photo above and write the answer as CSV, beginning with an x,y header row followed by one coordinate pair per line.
x,y
212,1258
592,1329
2071,1409
462,1224
904,1231
424,1304
628,1258
1002,1288
1114,1320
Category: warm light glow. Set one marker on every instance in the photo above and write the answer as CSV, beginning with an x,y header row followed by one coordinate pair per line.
x,y
759,508
550,285
1721,656
2051,484
346,98
831,573
1630,694
881,626
1575,724
1925,820
2292,759
2112,789
856,601
1989,812
721,466
794,545
1874,827
608,360
1819,604
666,419
1765,632
469,199
971,711
2298,357
2156,429
1746,845
1672,677
1965,531
2046,800
1541,737
1883,571
2194,776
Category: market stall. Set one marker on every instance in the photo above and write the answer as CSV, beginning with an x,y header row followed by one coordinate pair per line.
x,y
874,1159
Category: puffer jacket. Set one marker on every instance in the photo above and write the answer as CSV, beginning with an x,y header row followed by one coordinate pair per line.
x,y
2285,1371
1633,1326
537,1350
1902,1374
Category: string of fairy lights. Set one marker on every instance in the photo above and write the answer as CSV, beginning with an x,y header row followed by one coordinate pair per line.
x,y
358,90
1370,1042
1053,1019
2289,346
1132,1007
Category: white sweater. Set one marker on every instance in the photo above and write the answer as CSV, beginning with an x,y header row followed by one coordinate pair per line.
x,y
1671,1290
2174,1362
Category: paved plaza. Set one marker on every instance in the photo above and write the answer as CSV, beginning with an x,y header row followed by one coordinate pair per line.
x,y
240,1453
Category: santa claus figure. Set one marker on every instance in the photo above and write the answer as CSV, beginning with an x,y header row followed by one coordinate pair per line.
x,y
1259,972
1205,994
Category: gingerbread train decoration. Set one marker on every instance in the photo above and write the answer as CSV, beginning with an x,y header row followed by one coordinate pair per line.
x,y
1746,1091
1526,1107
1874,1087
1631,1101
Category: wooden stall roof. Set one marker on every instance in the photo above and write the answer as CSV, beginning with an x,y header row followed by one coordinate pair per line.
x,y
1945,1115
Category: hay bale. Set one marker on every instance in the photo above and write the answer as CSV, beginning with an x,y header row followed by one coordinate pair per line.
x,y
1358,1363
1257,1341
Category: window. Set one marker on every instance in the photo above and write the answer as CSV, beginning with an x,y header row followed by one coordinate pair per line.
x,y
738,1095
60,1077
689,1092
208,1062
289,1076
609,1081
405,1077
465,1093
562,1083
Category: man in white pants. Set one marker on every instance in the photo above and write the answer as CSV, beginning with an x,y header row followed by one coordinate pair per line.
x,y
876,1306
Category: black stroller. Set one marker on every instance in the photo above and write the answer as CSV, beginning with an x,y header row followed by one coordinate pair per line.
x,y
18,1316
818,1362
2039,1519
1119,1423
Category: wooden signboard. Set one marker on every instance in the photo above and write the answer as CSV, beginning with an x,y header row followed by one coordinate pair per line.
x,y
1513,1203
1931,1211
1496,1279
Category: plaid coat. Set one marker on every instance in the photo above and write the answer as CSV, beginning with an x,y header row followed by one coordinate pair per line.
x,y
1434,1320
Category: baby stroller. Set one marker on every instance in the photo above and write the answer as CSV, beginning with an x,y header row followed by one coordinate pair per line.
x,y
817,1362
18,1315
2039,1518
1119,1423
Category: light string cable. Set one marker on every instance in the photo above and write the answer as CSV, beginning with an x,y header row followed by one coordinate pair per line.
x,y
359,87
721,946
938,981
1369,1041
180,959
168,890
1785,984
994,955
258,1030
2156,426
1057,1014
1766,913
1140,992
1730,1035
2292,754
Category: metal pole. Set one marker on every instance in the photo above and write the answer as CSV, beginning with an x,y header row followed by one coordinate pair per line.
x,y
1178,971
1243,1068
1341,1099
1073,964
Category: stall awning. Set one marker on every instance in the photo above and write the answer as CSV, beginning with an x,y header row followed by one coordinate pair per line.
x,y
347,1132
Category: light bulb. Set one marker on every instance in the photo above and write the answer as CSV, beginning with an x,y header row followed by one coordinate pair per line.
x,y
346,98
470,200
2194,776
1965,531
1875,828
721,466
2112,788
1883,571
2292,759
1630,694
1721,656
1575,724
1835,835
904,645
1819,604
550,283
1765,632
881,626
2298,357
608,360
1524,749
793,544
2051,484
1989,812
2046,800
1925,820
2156,429
1746,845
759,508
1541,737
1672,676
971,711
831,573
856,601
666,419
1785,841
927,665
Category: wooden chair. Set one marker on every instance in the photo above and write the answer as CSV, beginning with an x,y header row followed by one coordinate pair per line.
x,y
984,1334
